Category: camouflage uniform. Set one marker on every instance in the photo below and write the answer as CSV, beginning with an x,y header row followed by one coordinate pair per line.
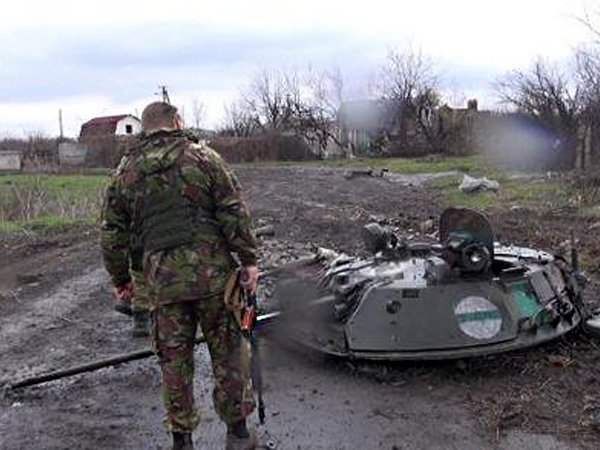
x,y
140,303
186,206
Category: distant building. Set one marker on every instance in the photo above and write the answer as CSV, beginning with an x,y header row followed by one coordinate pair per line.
x,y
103,140
384,127
458,127
11,161
72,153
363,123
100,127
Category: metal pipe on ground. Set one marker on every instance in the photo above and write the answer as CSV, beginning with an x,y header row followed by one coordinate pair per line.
x,y
267,230
112,361
142,354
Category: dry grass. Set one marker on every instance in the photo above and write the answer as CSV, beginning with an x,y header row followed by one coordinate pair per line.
x,y
48,200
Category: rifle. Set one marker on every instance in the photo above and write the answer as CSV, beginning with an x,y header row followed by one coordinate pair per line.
x,y
261,320
249,319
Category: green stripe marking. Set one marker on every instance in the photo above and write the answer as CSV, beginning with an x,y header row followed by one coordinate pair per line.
x,y
479,316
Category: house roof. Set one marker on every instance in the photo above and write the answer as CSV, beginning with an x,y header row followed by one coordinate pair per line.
x,y
102,125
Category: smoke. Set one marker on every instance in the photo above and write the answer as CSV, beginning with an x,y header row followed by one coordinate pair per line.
x,y
296,296
515,141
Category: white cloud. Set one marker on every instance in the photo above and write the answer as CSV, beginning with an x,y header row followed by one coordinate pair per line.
x,y
98,57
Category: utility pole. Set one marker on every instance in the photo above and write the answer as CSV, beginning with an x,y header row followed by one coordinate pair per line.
x,y
164,93
60,123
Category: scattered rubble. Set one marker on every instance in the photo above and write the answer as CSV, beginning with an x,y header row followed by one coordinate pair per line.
x,y
457,404
353,173
471,184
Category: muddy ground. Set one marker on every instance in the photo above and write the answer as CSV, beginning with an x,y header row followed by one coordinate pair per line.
x,y
55,311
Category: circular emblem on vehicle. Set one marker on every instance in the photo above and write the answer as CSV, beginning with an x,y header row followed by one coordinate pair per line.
x,y
478,317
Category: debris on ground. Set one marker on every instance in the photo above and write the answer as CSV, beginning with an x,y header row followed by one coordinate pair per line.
x,y
354,173
47,327
560,360
471,184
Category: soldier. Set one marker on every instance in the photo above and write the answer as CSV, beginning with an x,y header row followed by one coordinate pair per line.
x,y
133,299
140,303
186,206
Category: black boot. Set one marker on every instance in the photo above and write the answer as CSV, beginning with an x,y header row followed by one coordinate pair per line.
x,y
182,441
123,306
238,429
141,324
239,438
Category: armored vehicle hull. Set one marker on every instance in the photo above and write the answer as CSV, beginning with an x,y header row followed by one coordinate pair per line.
x,y
464,296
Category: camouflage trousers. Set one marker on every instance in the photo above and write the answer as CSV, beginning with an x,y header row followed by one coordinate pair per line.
x,y
174,330
141,298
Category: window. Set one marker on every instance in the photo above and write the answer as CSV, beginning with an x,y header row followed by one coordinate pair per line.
x,y
128,129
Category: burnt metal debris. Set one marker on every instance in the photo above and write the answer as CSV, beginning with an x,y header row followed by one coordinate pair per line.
x,y
464,295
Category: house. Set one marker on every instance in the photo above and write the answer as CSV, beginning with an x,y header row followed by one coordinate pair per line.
x,y
363,123
380,127
383,127
11,161
457,127
120,125
103,140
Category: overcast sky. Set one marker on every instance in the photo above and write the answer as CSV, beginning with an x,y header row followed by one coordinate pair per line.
x,y
94,58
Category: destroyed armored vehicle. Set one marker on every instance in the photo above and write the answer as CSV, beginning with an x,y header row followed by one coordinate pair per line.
x,y
461,296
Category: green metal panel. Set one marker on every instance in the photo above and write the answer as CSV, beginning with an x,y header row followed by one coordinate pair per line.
x,y
526,300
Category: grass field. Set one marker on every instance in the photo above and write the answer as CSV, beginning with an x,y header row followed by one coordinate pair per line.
x,y
48,200
466,164
526,190
76,185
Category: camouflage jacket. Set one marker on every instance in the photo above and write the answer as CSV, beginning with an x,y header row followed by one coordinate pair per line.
x,y
201,262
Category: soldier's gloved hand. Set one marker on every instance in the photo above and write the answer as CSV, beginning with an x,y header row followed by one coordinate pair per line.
x,y
249,279
124,293
123,296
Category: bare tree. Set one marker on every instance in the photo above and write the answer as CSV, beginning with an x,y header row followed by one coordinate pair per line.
x,y
587,59
549,96
268,104
317,110
426,105
272,98
409,83
588,79
240,121
197,113
542,92
589,19
305,104
405,76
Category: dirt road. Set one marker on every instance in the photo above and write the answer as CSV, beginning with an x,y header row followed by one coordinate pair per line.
x,y
55,312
